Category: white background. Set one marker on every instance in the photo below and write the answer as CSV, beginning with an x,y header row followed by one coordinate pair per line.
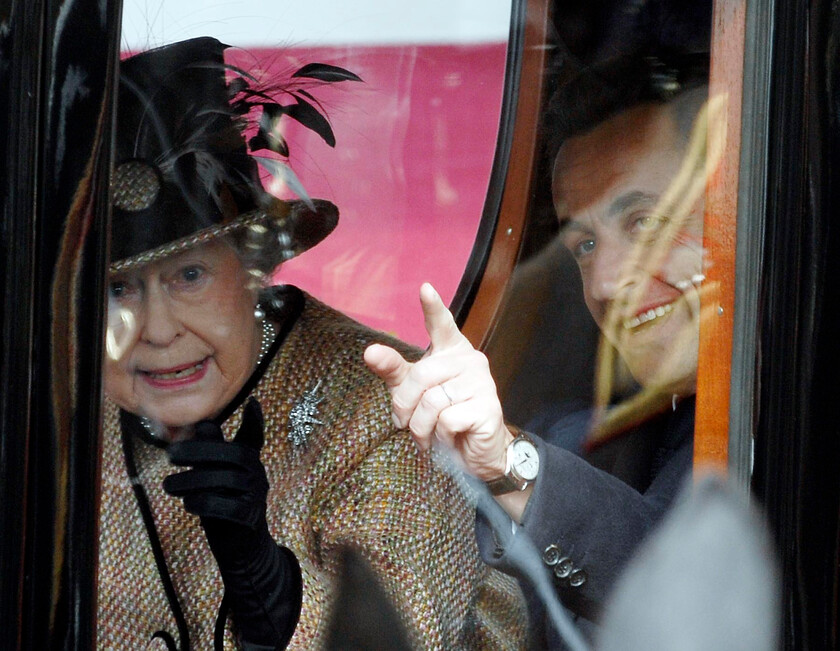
x,y
273,23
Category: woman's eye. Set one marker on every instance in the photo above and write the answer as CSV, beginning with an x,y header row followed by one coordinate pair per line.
x,y
117,289
188,278
120,289
191,274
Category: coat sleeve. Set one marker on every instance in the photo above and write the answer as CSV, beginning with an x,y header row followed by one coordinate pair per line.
x,y
360,483
585,522
407,519
414,527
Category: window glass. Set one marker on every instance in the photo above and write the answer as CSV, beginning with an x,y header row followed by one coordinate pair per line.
x,y
612,262
596,348
414,142
595,351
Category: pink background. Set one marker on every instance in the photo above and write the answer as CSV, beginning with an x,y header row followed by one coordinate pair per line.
x,y
409,173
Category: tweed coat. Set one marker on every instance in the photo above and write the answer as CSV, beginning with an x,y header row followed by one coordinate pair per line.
x,y
355,480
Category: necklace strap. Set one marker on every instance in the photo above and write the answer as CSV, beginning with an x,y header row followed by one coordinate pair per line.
x,y
267,339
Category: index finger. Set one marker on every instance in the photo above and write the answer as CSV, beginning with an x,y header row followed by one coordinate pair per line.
x,y
443,332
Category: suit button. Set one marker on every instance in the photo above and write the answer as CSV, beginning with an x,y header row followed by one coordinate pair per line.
x,y
577,578
564,568
551,555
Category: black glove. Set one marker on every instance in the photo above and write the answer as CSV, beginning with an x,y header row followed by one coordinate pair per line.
x,y
227,489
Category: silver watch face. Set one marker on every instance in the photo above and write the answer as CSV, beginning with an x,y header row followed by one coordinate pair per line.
x,y
525,461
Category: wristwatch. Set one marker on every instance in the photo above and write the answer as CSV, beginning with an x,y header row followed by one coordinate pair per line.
x,y
521,466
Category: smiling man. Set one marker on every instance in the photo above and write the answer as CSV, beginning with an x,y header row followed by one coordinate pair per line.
x,y
628,183
636,232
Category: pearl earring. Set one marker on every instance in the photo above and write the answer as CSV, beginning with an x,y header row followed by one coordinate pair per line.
x,y
259,313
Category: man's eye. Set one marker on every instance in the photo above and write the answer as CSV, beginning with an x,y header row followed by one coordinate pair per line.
x,y
647,224
583,248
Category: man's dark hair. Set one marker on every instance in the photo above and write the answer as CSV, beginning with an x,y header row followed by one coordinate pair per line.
x,y
587,96
600,92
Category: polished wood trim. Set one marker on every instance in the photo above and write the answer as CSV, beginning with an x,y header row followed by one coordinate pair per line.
x,y
478,325
711,440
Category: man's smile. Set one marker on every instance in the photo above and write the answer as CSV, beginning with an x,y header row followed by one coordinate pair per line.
x,y
648,317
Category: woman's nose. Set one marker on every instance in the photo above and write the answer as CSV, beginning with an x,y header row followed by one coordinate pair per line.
x,y
161,324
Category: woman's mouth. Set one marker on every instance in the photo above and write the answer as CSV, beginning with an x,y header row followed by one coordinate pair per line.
x,y
644,319
175,376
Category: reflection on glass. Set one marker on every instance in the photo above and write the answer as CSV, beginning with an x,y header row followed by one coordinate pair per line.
x,y
631,142
627,187
636,230
415,142
596,354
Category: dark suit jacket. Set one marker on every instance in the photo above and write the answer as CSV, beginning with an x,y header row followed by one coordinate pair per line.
x,y
595,510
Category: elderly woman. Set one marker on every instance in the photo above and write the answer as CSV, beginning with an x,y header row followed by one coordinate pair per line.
x,y
250,406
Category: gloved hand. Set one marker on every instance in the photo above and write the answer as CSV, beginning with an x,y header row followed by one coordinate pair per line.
x,y
227,489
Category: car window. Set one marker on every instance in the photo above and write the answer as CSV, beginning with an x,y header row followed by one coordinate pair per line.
x,y
414,142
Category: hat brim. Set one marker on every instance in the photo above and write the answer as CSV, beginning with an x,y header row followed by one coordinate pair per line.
x,y
305,224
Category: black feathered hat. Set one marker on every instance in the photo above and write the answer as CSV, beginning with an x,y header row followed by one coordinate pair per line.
x,y
183,171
